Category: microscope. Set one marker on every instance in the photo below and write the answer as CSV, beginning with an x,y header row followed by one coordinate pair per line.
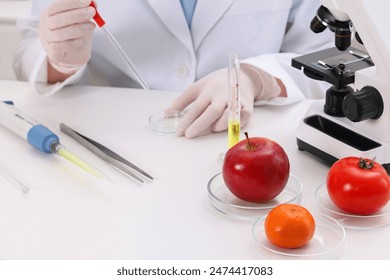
x,y
354,119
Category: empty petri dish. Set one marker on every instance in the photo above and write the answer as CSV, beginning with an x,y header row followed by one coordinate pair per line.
x,y
351,221
327,243
228,204
165,122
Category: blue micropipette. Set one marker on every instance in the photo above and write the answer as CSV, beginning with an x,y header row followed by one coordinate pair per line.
x,y
40,136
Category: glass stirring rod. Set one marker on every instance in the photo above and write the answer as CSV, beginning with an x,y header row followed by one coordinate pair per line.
x,y
41,137
14,181
101,23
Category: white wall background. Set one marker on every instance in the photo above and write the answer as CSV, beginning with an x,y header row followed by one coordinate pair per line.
x,y
9,37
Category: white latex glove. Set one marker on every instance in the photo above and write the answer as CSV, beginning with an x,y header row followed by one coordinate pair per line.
x,y
208,98
65,30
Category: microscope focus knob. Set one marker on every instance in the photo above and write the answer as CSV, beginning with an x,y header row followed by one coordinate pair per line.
x,y
363,104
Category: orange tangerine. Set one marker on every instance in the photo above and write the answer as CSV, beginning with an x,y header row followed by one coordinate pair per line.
x,y
289,226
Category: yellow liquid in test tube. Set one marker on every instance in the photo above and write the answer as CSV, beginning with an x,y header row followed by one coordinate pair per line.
x,y
233,132
234,105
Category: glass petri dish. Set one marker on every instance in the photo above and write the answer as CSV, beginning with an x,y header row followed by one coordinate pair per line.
x,y
350,221
228,204
165,122
327,243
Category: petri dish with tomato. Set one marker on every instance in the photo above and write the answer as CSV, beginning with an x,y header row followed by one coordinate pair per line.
x,y
325,205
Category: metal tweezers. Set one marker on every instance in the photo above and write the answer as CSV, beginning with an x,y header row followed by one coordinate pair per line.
x,y
106,154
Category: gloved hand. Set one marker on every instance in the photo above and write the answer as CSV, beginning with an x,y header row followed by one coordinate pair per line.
x,y
65,30
208,98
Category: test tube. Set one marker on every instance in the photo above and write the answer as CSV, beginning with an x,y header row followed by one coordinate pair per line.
x,y
234,105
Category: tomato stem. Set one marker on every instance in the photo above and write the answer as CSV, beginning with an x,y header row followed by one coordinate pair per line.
x,y
364,164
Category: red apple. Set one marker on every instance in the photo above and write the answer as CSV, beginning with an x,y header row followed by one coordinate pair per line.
x,y
256,169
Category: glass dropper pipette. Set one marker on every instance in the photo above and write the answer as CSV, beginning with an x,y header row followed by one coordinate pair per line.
x,y
165,122
102,24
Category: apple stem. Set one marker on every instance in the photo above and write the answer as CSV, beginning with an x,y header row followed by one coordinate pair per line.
x,y
250,146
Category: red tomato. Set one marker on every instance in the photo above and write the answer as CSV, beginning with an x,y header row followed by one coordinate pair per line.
x,y
358,186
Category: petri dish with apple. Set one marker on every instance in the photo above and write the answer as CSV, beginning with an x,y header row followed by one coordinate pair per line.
x,y
223,201
327,243
350,221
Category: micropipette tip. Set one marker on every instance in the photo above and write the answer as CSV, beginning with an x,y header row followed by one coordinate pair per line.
x,y
60,150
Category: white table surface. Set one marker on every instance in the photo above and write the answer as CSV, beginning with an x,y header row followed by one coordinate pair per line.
x,y
71,215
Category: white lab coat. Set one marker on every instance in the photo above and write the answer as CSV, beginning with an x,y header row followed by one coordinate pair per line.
x,y
155,35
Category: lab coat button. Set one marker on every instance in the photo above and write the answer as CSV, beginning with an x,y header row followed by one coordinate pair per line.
x,y
182,71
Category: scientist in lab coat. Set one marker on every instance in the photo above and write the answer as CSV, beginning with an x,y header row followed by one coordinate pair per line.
x,y
176,45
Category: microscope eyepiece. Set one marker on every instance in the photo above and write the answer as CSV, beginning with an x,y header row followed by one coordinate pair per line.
x,y
317,25
322,20
342,29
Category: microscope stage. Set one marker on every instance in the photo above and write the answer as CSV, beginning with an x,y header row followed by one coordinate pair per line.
x,y
333,66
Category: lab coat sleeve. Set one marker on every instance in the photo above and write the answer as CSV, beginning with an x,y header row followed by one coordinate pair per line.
x,y
298,86
298,40
30,60
273,64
